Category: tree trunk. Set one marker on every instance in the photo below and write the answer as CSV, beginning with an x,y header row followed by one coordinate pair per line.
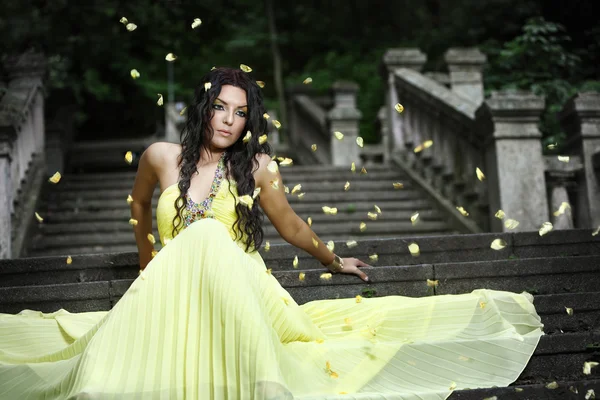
x,y
277,72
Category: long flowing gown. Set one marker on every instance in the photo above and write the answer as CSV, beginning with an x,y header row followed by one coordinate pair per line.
x,y
206,320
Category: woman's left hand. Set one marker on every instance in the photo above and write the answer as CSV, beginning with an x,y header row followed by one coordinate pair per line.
x,y
352,265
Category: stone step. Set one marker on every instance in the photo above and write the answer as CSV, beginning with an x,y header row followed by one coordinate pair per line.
x,y
571,389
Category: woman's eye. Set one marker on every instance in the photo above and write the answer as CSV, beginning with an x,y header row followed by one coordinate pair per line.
x,y
242,114
217,106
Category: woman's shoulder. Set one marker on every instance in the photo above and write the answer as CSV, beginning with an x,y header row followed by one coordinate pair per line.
x,y
162,154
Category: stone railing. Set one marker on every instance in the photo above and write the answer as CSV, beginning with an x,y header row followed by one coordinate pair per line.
x,y
498,135
22,142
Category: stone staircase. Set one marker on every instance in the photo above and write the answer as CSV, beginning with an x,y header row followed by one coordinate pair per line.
x,y
87,212
561,269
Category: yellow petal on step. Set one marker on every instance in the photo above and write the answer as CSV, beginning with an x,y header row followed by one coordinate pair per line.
x,y
325,276
207,86
326,209
315,243
160,100
286,189
170,57
307,80
463,211
313,147
262,139
124,20
351,243
374,257
133,221
561,209
338,135
347,186
301,276
353,167
245,200
276,123
414,250
183,110
196,23
301,195
399,108
266,116
362,227
295,262
372,216
256,192
363,170
275,184
398,185
545,228
590,394
260,84
286,162
134,73
500,214
55,178
552,385
38,217
69,260
452,386
432,283
129,157
498,244
377,209
269,271
569,311
360,142
518,389
151,238
414,218
330,245
247,137
564,159
511,223
267,246
480,174
154,253
272,166
131,27
587,367
245,68
129,199
596,231
296,188
358,298
309,221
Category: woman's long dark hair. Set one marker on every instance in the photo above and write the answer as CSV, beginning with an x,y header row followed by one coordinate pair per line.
x,y
197,135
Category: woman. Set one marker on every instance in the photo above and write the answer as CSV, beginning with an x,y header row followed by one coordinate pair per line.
x,y
206,320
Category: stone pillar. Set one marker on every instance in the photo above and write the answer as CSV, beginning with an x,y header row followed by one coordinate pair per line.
x,y
466,78
394,59
7,136
514,163
344,117
173,121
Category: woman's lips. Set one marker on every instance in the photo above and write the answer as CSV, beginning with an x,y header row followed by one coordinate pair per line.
x,y
225,133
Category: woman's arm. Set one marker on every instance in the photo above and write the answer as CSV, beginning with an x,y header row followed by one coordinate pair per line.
x,y
289,225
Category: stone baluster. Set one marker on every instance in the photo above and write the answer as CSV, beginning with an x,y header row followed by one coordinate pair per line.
x,y
514,165
7,137
466,78
344,117
384,133
562,179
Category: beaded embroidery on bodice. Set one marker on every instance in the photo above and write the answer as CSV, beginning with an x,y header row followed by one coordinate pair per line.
x,y
194,211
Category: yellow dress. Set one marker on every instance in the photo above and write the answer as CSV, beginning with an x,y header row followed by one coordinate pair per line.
x,y
206,321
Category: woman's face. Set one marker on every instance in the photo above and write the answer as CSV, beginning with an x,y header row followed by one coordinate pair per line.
x,y
230,114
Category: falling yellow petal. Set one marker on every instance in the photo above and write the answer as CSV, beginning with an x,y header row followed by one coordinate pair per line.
x,y
596,231
267,246
301,195
123,20
69,260
129,199
246,200
351,243
256,192
196,23
358,298
348,321
398,185
338,135
286,162
330,245
360,141
133,221
362,227
295,262
129,157
182,111
276,123
247,137
315,243
55,178
545,228
286,301
131,27
590,394
552,385
266,116
372,216
463,211
313,147
326,276
207,86
170,57
296,188
363,170
561,210
399,108
480,174
452,386
564,159
482,304
498,244
262,139
134,73
260,84
353,167
307,80
418,149
301,276
427,144
286,189
373,257
142,275
414,250
151,238
377,209
245,68
432,283
38,217
213,68
160,100
552,146
500,214
329,210
414,218
154,253
569,311
587,367
511,223
272,166
347,185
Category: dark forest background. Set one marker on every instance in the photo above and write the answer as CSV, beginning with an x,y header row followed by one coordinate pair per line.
x,y
551,47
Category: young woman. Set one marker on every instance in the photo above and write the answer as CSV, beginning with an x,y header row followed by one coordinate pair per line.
x,y
206,319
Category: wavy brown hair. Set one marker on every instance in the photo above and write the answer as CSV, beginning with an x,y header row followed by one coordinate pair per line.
x,y
241,157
